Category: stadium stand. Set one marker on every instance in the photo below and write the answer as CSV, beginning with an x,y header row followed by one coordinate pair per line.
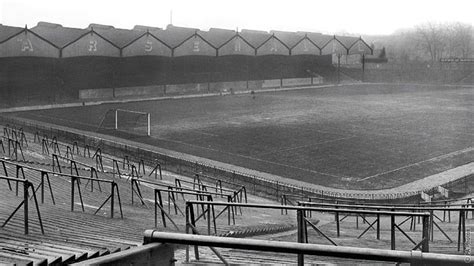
x,y
66,63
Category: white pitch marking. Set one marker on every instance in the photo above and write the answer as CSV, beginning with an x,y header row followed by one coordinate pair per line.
x,y
417,163
86,205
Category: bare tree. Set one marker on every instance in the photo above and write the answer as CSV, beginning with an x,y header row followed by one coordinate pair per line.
x,y
460,40
432,39
428,41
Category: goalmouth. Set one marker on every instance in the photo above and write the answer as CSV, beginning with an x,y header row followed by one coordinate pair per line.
x,y
134,122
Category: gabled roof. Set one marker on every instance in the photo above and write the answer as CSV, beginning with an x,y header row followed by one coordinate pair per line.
x,y
57,34
254,37
347,41
217,37
319,39
119,37
174,36
288,38
7,32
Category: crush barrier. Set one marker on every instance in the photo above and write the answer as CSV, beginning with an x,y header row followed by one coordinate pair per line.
x,y
183,165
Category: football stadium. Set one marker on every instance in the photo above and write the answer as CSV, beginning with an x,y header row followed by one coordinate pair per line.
x,y
151,146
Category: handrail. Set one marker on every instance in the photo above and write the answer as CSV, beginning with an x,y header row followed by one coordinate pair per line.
x,y
362,202
204,185
15,145
138,180
26,184
156,170
53,173
75,181
413,257
159,203
279,207
73,165
303,221
220,180
463,211
384,207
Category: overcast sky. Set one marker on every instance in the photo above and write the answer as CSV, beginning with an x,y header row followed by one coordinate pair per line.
x,y
351,16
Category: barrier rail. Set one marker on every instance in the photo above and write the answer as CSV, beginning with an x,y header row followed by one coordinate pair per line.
x,y
173,193
25,203
302,221
14,146
368,254
74,180
263,183
73,166
463,213
219,182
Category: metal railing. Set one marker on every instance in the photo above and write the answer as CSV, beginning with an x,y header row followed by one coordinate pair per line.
x,y
24,203
74,180
264,185
462,209
367,254
303,221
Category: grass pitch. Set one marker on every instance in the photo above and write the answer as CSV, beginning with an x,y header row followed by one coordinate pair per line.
x,y
354,136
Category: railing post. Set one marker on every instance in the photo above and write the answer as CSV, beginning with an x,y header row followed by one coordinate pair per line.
x,y
378,225
282,203
431,226
112,194
156,220
73,180
464,230
444,211
193,223
461,214
300,223
228,210
187,228
25,205
357,221
392,231
209,219
42,186
425,235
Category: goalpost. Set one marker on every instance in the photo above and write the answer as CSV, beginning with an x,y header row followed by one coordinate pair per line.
x,y
129,121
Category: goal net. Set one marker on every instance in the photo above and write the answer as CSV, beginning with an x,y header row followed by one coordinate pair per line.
x,y
128,121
